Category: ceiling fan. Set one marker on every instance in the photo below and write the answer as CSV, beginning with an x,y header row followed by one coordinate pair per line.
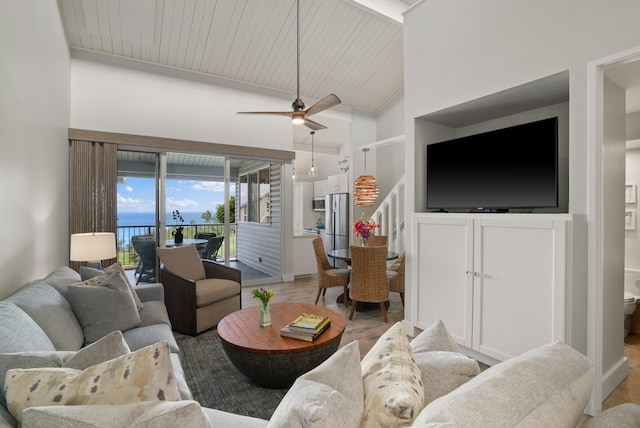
x,y
299,114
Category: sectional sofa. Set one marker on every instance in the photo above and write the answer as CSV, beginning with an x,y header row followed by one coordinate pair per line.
x,y
68,335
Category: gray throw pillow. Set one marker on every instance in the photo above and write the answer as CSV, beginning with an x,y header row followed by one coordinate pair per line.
x,y
104,308
109,347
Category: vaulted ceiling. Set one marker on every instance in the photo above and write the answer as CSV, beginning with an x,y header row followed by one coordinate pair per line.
x,y
346,47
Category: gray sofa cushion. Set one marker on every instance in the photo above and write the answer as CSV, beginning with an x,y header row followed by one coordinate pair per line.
x,y
61,278
104,308
154,312
53,313
15,326
140,337
557,380
181,380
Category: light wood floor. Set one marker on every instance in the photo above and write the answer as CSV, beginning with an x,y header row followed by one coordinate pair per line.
x,y
368,326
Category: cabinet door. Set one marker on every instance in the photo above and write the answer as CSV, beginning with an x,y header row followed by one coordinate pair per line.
x,y
320,188
444,262
519,269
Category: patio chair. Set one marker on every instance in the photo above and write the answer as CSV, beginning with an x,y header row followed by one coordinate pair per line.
x,y
203,235
145,246
210,251
369,277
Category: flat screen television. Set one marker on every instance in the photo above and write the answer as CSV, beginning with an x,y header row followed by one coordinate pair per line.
x,y
514,167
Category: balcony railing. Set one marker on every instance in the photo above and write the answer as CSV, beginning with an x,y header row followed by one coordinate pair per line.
x,y
129,258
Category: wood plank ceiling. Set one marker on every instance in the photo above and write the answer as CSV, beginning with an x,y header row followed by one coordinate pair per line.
x,y
345,48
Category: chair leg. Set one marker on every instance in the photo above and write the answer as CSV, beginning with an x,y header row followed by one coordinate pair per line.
x,y
318,296
346,296
353,307
324,291
383,308
402,298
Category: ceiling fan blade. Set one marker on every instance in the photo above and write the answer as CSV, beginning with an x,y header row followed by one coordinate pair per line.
x,y
313,124
278,113
329,101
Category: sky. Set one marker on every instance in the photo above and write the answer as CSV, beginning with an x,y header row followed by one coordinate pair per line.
x,y
138,195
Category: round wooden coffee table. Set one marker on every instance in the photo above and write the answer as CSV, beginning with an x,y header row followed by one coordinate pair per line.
x,y
266,357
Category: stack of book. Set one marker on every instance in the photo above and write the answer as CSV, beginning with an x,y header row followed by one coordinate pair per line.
x,y
306,327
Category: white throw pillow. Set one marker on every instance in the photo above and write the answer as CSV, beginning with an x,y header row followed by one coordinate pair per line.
x,y
434,338
328,396
144,375
393,388
444,371
156,414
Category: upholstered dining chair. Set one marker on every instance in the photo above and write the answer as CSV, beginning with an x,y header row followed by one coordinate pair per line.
x,y
328,276
378,240
395,276
368,281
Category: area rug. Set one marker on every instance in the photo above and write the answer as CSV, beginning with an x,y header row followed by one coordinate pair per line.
x,y
216,383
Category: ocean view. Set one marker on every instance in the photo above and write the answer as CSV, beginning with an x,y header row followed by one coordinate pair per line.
x,y
147,218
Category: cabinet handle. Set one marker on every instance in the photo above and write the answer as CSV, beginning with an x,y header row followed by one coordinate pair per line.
x,y
468,272
476,274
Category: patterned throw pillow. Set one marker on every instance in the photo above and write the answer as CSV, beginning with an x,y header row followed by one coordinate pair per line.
x,y
143,375
393,389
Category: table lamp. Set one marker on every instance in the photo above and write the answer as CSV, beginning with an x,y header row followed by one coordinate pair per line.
x,y
92,247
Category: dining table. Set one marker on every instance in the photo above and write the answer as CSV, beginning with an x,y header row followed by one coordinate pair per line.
x,y
171,243
344,254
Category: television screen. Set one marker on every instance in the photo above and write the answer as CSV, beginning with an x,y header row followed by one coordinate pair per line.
x,y
515,167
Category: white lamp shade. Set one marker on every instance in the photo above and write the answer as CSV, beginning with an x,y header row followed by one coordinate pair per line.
x,y
93,246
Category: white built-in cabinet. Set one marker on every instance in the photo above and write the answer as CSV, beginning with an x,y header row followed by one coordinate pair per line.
x,y
320,188
338,183
497,281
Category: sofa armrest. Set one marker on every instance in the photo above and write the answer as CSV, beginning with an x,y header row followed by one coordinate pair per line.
x,y
150,292
215,270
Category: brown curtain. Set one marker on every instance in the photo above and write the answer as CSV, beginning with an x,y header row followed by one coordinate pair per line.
x,y
93,168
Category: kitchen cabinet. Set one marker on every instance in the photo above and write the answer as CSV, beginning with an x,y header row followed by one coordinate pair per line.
x,y
338,183
320,187
497,282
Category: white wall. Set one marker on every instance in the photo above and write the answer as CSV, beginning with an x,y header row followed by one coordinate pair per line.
x,y
34,149
453,57
151,101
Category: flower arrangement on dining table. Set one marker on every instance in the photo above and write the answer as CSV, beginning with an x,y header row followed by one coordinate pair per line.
x,y
264,295
364,228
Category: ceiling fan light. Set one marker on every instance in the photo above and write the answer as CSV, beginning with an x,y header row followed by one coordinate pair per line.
x,y
297,120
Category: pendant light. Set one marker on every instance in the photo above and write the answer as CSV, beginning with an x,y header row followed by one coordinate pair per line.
x,y
365,188
313,171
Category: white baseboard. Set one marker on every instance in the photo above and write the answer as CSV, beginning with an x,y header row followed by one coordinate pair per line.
x,y
614,377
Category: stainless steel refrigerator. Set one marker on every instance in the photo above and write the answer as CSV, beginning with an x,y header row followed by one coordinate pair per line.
x,y
336,225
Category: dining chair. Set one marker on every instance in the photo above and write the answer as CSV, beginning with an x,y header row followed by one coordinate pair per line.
x,y
378,240
328,276
395,276
145,246
368,282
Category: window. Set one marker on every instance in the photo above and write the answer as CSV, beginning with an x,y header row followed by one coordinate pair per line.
x,y
255,196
